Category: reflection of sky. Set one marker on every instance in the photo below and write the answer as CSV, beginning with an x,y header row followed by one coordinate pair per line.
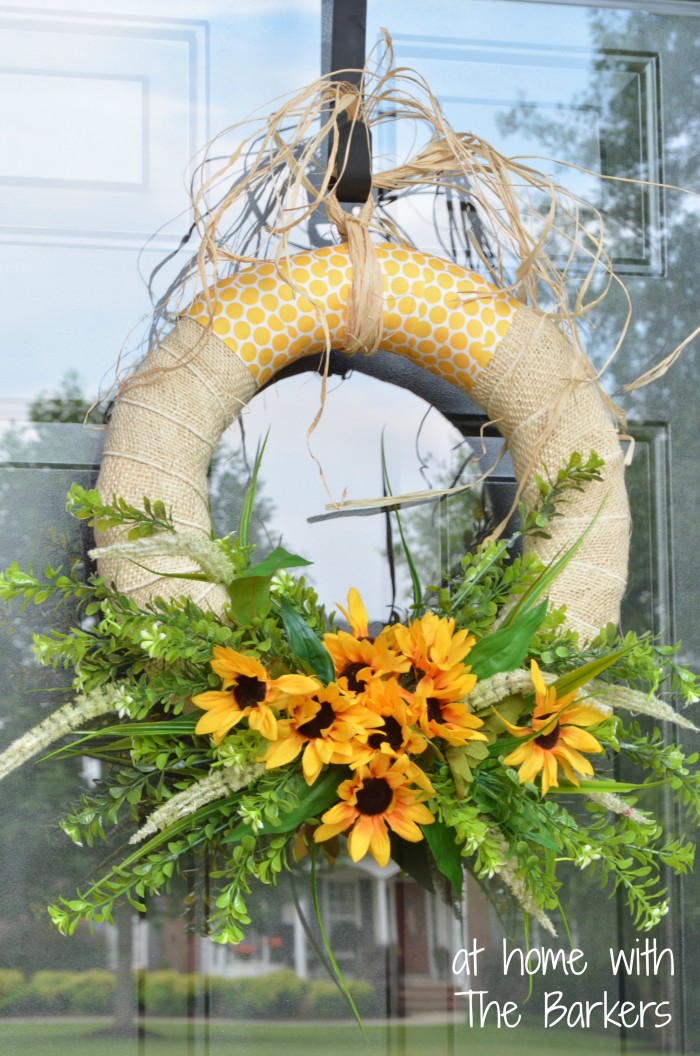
x,y
128,99
75,209
358,414
88,184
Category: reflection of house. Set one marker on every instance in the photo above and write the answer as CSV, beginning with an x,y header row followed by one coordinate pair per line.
x,y
383,926
369,914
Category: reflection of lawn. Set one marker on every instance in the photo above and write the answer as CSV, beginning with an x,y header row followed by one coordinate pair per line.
x,y
55,1038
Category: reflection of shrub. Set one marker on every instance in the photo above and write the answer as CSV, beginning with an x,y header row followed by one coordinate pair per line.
x,y
279,995
324,999
76,993
275,996
91,992
12,990
49,991
166,993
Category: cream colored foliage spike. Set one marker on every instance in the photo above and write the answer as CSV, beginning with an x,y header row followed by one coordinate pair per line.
x,y
515,363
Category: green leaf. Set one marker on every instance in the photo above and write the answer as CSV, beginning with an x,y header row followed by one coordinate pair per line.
x,y
305,644
340,980
460,759
543,581
413,572
581,675
276,559
313,800
250,596
445,850
249,501
506,648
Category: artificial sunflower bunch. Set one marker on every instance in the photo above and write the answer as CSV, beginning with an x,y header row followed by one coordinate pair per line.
x,y
467,734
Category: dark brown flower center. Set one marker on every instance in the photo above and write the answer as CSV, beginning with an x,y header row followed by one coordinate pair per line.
x,y
351,672
249,691
320,723
374,796
391,732
435,710
548,740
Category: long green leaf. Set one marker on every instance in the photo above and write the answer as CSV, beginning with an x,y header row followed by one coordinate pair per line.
x,y
506,648
603,785
249,501
343,986
276,559
305,644
586,673
413,572
313,800
441,840
543,581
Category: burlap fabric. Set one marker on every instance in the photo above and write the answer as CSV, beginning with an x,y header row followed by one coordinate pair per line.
x,y
544,403
164,430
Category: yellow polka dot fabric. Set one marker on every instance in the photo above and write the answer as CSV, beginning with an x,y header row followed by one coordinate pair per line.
x,y
437,314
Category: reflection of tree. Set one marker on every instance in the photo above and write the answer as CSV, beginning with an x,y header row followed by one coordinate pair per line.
x,y
665,305
437,533
230,476
35,530
662,304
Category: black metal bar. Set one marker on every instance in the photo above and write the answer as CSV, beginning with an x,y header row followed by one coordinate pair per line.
x,y
343,36
343,44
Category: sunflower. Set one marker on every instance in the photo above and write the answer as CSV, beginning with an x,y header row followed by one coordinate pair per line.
x,y
555,737
330,726
375,799
441,713
431,643
247,692
357,657
396,734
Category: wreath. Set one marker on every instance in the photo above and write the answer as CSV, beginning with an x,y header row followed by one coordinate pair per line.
x,y
235,715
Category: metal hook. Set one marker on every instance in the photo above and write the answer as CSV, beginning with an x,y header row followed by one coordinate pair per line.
x,y
344,33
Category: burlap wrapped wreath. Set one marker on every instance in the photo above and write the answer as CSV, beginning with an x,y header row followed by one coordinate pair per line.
x,y
511,360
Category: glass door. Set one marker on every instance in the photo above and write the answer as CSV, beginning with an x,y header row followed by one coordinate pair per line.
x,y
102,113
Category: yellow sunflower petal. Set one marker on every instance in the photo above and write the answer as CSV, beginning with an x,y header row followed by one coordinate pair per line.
x,y
577,761
549,772
518,755
295,685
580,739
264,721
326,831
406,827
533,762
360,837
581,715
517,731
217,720
356,614
229,664
379,843
213,698
310,763
537,681
283,751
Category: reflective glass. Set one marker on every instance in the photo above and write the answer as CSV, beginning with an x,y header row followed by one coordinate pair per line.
x,y
100,114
